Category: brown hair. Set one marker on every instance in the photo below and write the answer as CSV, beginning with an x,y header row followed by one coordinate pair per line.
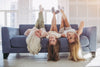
x,y
53,51
74,49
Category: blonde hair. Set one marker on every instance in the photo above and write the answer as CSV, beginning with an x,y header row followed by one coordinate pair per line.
x,y
33,43
77,41
75,46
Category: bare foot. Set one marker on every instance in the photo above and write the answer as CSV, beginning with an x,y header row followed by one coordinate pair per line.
x,y
57,11
41,9
61,11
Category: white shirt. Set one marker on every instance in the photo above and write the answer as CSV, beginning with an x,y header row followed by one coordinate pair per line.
x,y
69,30
53,33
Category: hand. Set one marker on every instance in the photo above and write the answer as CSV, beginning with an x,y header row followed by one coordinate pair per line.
x,y
44,34
37,33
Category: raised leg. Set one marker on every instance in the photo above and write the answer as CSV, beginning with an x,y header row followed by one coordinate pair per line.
x,y
5,55
40,22
62,23
93,54
65,19
53,25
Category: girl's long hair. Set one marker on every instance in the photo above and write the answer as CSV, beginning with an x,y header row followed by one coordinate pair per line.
x,y
77,46
77,41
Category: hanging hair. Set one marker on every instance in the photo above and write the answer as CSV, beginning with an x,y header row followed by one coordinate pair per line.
x,y
53,50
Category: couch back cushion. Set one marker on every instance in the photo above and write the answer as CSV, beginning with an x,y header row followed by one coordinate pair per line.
x,y
23,28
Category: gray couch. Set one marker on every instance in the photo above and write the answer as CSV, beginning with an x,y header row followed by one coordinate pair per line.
x,y
13,40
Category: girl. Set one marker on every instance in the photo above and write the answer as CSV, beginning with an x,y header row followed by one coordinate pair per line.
x,y
53,35
34,34
72,36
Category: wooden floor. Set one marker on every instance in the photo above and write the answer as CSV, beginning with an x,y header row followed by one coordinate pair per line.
x,y
40,60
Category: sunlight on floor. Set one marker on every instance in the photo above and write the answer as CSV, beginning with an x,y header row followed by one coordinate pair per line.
x,y
87,56
96,61
27,59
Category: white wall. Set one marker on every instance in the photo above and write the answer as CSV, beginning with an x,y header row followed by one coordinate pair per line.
x,y
87,11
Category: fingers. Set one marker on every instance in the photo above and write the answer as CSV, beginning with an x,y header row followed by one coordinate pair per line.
x,y
37,33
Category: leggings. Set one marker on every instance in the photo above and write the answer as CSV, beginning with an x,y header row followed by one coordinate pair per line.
x,y
40,22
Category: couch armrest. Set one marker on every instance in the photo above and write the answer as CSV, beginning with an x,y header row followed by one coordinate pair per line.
x,y
91,33
7,34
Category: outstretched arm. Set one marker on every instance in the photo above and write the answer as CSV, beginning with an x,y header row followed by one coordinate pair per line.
x,y
80,30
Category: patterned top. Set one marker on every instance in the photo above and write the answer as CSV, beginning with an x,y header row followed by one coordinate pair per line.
x,y
53,33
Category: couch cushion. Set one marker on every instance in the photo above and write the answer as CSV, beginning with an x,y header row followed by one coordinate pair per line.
x,y
23,28
44,42
63,44
84,41
19,41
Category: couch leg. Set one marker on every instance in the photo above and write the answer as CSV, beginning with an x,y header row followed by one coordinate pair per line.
x,y
5,55
93,54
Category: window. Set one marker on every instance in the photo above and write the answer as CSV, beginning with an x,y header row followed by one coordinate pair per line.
x,y
11,19
7,13
2,21
47,5
8,4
